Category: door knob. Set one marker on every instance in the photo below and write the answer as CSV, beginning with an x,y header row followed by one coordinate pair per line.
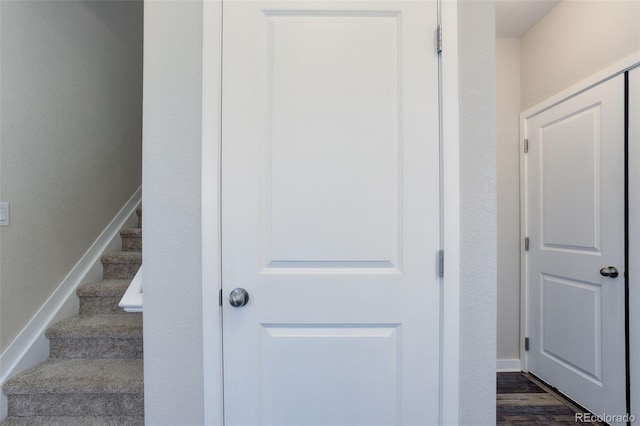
x,y
238,297
610,272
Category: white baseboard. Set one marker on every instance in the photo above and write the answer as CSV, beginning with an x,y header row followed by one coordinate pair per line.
x,y
508,365
31,347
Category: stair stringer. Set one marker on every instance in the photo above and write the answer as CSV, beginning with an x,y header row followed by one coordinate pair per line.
x,y
31,347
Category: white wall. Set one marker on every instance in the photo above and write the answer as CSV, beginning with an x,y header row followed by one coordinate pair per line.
x,y
573,41
476,32
172,146
171,176
508,188
71,109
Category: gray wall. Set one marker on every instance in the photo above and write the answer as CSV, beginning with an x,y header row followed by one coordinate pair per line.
x,y
476,44
71,109
508,189
172,182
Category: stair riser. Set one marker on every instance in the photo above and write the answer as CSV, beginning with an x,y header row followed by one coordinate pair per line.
x,y
95,348
76,404
119,271
131,244
100,305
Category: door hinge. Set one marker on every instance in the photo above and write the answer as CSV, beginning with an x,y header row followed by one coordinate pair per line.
x,y
220,297
439,38
526,146
526,343
441,263
526,243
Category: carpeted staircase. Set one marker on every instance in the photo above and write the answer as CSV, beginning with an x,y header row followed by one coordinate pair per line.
x,y
94,374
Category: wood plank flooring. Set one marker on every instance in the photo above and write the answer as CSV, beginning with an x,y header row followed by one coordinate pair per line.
x,y
524,400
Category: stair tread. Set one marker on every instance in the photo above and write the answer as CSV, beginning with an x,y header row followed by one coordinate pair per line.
x,y
104,288
131,232
73,421
122,257
80,375
124,325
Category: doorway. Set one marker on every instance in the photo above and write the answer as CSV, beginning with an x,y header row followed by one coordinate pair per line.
x,y
330,208
574,227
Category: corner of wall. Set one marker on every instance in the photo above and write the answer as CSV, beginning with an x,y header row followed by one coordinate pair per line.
x,y
476,43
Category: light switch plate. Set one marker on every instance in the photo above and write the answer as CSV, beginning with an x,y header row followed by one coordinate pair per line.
x,y
4,213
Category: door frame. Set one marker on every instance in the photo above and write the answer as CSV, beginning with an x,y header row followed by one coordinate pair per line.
x,y
608,73
634,244
211,217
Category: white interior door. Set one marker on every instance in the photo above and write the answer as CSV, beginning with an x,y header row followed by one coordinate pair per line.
x,y
330,213
575,222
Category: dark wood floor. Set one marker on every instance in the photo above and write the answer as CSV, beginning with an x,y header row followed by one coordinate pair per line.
x,y
524,400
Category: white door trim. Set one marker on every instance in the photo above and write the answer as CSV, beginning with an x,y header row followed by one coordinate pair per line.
x,y
450,306
211,284
634,229
211,214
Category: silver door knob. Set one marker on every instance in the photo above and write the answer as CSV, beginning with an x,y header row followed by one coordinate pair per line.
x,y
610,272
238,297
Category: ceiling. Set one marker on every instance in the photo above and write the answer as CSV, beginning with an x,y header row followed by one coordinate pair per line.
x,y
515,17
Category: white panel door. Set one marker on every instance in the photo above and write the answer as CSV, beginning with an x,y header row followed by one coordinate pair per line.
x,y
575,222
330,213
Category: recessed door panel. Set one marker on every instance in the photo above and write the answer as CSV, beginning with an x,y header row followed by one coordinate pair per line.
x,y
570,174
321,209
572,312
364,365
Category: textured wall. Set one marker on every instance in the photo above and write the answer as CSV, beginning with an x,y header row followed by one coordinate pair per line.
x,y
508,193
173,324
573,41
476,44
71,112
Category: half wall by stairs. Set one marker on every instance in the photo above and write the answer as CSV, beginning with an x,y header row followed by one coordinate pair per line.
x,y
94,374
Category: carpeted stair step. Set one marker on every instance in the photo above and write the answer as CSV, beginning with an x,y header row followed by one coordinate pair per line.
x,y
78,387
121,265
102,297
97,336
131,239
73,421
